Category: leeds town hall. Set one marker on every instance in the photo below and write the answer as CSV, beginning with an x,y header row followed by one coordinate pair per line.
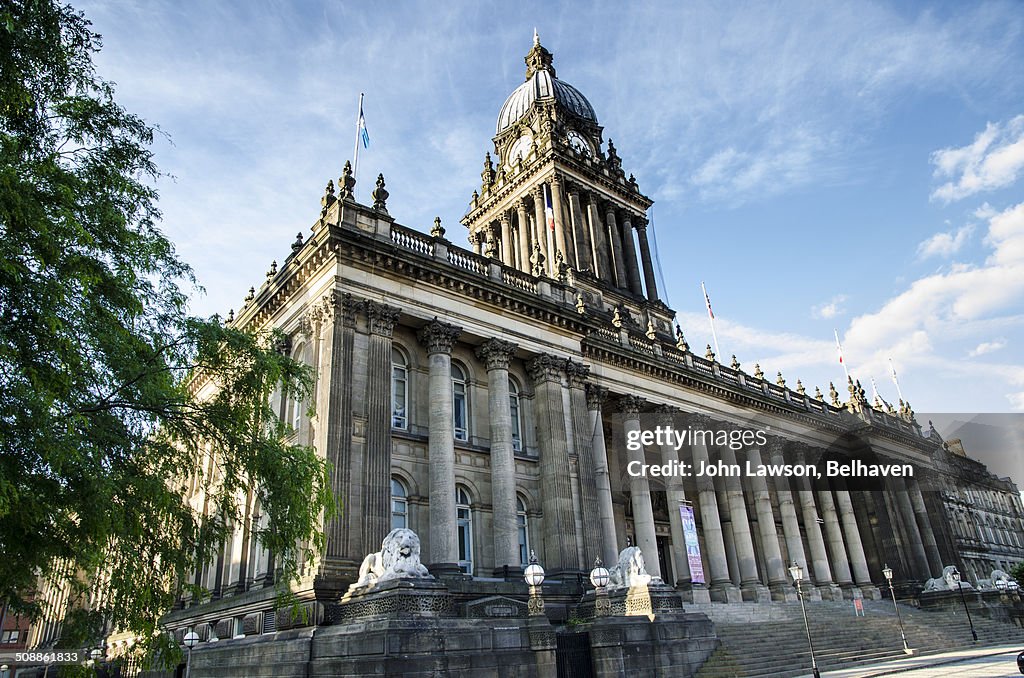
x,y
474,401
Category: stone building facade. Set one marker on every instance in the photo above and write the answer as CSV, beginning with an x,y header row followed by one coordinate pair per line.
x,y
481,396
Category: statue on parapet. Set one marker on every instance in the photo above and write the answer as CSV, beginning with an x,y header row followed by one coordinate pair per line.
x,y
398,558
630,570
946,582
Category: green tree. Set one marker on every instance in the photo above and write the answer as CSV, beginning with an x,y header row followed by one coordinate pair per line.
x,y
102,419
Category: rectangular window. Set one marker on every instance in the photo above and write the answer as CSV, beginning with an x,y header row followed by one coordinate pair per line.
x,y
10,637
465,540
459,411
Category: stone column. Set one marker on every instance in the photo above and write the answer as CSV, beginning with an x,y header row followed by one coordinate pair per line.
x,y
931,547
600,245
376,515
334,319
523,235
507,253
676,496
589,512
563,242
721,586
629,250
615,238
836,545
775,568
639,488
787,511
647,260
439,338
905,513
596,396
858,561
496,355
543,232
750,584
581,234
815,540
475,240
559,544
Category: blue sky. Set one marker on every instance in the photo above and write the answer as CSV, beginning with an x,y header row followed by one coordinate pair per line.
x,y
820,165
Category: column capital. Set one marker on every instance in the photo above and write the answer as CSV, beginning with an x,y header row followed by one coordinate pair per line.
x,y
496,354
596,396
438,337
666,413
576,373
333,305
504,218
546,367
776,445
382,318
522,204
556,180
697,419
630,404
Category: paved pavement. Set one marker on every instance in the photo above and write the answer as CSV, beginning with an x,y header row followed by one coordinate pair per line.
x,y
987,662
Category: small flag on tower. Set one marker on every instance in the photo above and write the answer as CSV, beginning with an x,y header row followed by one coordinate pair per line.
x,y
839,348
707,301
549,212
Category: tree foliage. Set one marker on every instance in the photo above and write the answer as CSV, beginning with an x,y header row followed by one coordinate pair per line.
x,y
106,406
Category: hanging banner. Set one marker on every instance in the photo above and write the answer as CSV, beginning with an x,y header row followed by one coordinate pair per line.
x,y
692,545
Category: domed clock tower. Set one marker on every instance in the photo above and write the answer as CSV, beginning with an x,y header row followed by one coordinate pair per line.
x,y
554,196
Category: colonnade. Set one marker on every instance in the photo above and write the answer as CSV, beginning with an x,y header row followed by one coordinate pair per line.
x,y
590,232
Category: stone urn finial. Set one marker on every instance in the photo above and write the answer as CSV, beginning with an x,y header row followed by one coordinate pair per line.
x,y
380,196
438,230
347,182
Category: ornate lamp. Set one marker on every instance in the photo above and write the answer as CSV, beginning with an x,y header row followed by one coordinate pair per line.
x,y
599,577
955,576
1013,587
797,573
534,576
1001,585
191,640
887,572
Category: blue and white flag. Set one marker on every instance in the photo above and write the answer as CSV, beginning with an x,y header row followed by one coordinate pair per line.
x,y
363,134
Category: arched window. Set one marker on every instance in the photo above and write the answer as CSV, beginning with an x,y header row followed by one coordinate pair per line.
x,y
464,522
524,533
399,504
399,390
460,404
513,406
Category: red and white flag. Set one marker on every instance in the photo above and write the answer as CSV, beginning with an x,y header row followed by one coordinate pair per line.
x,y
839,348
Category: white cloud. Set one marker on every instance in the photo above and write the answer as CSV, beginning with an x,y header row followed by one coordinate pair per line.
x,y
1016,400
993,160
831,308
987,347
945,244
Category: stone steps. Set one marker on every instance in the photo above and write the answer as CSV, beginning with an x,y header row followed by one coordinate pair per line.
x,y
768,640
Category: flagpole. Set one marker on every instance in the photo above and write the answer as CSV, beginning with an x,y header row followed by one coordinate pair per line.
x,y
355,153
711,317
892,372
842,361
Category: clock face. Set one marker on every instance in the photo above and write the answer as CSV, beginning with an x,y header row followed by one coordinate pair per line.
x,y
578,143
519,148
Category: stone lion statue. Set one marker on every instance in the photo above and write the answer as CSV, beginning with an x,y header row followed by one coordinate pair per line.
x,y
993,581
945,582
398,558
630,570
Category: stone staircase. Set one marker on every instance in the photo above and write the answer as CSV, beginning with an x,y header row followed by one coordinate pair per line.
x,y
767,640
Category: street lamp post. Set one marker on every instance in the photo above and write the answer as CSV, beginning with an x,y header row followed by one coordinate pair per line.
x,y
955,574
534,576
191,640
3,670
887,571
599,577
797,573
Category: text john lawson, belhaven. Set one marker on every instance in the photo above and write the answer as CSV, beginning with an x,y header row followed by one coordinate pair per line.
x,y
832,469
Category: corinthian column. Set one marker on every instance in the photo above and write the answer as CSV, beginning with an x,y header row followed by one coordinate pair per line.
x,y
775,568
439,338
580,232
563,241
376,517
750,584
858,561
523,235
596,396
722,588
560,538
507,253
815,541
496,355
639,488
931,548
837,546
647,260
543,232
589,518
615,238
629,249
